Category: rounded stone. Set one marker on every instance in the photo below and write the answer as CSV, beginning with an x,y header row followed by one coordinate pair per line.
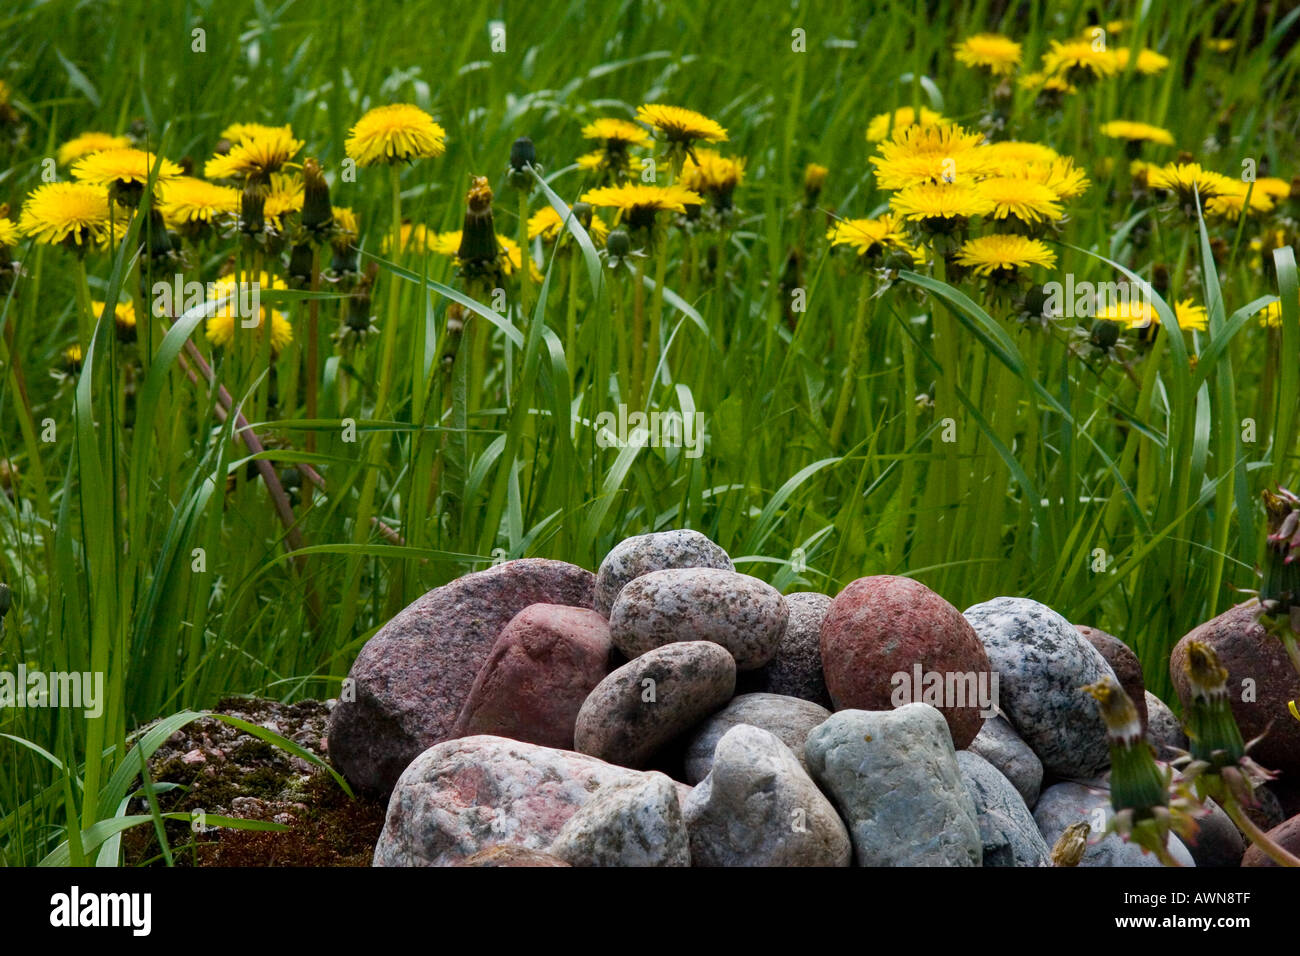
x,y
1250,653
884,635
1164,731
791,719
1068,803
635,556
741,613
999,744
410,681
540,670
507,855
796,670
1125,664
648,701
1286,835
1043,663
637,822
894,777
758,807
1007,829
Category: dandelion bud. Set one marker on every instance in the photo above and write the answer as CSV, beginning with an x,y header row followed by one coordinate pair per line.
x,y
814,177
300,263
252,211
317,215
583,211
618,243
1104,334
522,154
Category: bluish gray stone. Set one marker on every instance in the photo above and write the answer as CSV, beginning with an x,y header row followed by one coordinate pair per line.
x,y
1065,803
790,718
1043,662
632,822
1007,828
999,744
893,775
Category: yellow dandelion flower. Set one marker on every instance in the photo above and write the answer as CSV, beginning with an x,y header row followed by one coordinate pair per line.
x,y
398,132
1149,62
188,200
921,154
869,236
1273,187
1079,58
346,227
1135,132
75,213
1231,200
256,157
221,327
9,235
448,244
885,125
619,132
1042,83
1014,154
1142,315
241,132
416,237
546,222
1271,314
1187,179
680,125
122,167
284,196
639,204
601,160
934,202
1004,255
994,52
123,316
814,177
1221,44
87,143
712,174
73,356
1021,199
1061,176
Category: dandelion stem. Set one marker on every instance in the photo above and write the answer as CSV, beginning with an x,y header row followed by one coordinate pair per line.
x,y
1266,844
857,341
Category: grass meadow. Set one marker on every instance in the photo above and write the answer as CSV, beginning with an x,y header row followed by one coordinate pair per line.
x,y
193,519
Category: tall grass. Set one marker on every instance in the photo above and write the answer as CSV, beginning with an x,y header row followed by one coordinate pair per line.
x,y
1056,458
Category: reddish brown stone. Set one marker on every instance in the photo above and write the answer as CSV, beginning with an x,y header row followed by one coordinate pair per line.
x,y
538,673
1250,653
884,625
1286,835
1125,664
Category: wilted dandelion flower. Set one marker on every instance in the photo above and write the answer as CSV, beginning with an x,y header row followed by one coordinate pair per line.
x,y
884,125
681,127
74,214
1149,62
396,133
123,172
546,222
1078,60
255,158
1021,199
994,52
221,327
187,201
87,143
1135,132
617,133
638,204
999,256
931,154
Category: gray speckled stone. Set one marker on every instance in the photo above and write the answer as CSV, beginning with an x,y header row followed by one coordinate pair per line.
x,y
1007,828
1218,841
790,718
741,613
796,670
999,744
634,822
633,557
893,775
757,807
1065,803
648,701
1163,729
1043,661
